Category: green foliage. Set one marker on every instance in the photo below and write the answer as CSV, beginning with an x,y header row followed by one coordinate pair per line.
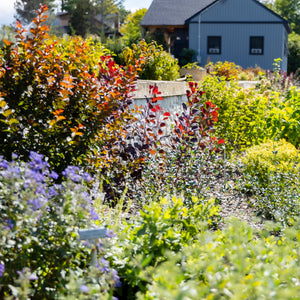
x,y
131,29
242,113
41,256
164,225
271,172
270,157
283,118
158,64
6,32
233,264
187,56
294,53
52,100
26,9
91,17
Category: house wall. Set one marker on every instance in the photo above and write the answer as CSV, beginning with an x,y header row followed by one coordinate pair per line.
x,y
235,21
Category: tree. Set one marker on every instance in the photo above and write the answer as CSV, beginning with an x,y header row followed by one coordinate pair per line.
x,y
294,53
26,9
131,29
288,9
88,14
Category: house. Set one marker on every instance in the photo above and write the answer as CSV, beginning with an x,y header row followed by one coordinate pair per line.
x,y
242,31
111,24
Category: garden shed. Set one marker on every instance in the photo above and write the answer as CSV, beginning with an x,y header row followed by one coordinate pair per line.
x,y
242,31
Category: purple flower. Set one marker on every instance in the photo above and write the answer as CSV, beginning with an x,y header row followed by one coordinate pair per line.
x,y
116,278
84,288
103,266
4,164
93,214
109,233
87,177
32,277
9,224
14,156
71,172
52,192
2,269
37,161
53,175
36,203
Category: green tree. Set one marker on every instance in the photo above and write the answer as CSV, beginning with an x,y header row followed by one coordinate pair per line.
x,y
131,29
288,9
91,16
6,32
294,53
25,9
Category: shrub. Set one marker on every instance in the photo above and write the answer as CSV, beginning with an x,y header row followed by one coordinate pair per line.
x,y
187,56
41,256
271,172
51,98
166,224
242,113
226,69
271,157
237,263
283,118
157,65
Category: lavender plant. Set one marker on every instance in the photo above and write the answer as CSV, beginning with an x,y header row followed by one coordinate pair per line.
x,y
41,256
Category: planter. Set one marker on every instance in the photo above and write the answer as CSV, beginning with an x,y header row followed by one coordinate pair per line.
x,y
197,74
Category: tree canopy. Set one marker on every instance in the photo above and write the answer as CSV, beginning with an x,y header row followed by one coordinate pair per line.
x,y
131,28
25,9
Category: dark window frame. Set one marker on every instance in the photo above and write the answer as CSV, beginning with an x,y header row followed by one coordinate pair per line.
x,y
262,40
219,42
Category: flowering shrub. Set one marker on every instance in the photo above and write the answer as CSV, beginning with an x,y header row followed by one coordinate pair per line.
x,y
41,256
55,97
226,69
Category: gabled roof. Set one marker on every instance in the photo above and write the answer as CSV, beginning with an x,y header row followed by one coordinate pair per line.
x,y
173,12
179,12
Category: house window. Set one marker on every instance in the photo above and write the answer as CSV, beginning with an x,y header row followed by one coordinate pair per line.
x,y
213,45
256,45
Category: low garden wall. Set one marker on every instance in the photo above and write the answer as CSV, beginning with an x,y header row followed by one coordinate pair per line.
x,y
173,92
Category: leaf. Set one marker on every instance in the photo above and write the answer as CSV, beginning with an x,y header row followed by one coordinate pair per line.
x,y
7,113
152,152
8,43
2,103
167,114
13,121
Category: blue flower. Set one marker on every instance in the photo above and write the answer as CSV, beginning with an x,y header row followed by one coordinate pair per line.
x,y
116,278
53,175
2,269
71,172
84,288
37,161
9,224
109,233
36,203
93,214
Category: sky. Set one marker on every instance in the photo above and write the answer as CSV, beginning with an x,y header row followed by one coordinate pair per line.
x,y
7,10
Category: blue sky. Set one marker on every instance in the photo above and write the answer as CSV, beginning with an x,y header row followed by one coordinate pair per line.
x,y
7,9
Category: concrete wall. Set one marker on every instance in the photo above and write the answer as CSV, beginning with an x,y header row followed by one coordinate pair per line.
x,y
173,92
